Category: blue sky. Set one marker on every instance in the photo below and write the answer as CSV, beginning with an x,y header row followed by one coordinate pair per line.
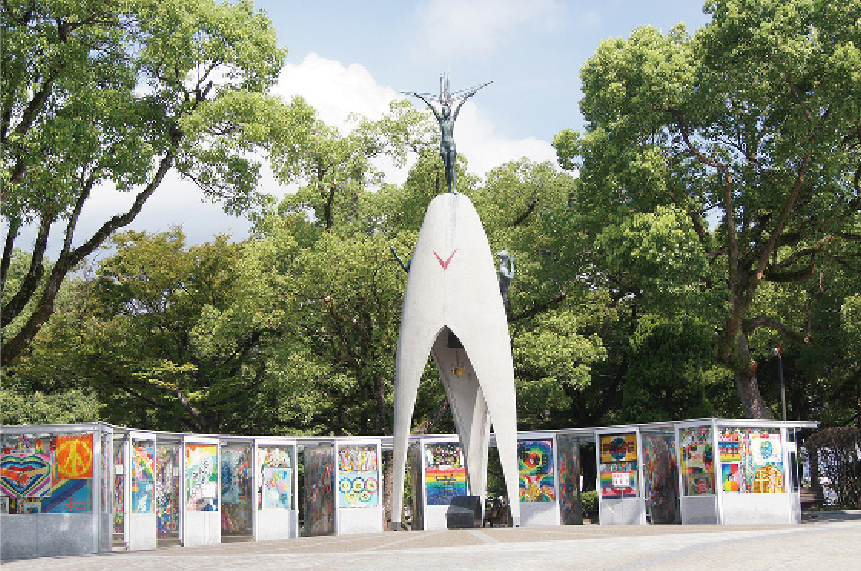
x,y
532,50
355,56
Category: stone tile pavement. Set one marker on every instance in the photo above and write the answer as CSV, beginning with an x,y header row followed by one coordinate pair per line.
x,y
830,542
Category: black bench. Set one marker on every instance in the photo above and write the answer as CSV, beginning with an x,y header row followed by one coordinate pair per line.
x,y
812,499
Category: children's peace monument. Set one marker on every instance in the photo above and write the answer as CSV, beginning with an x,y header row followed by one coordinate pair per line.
x,y
453,310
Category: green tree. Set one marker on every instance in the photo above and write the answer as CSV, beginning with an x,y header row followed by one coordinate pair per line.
x,y
822,371
851,311
672,373
346,283
524,207
336,170
348,293
553,357
117,93
275,334
23,403
753,121
42,400
172,337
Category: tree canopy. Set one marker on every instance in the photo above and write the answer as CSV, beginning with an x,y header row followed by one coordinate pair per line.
x,y
707,214
116,94
748,132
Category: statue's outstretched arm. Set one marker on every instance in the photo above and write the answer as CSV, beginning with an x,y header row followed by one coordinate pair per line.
x,y
469,94
428,103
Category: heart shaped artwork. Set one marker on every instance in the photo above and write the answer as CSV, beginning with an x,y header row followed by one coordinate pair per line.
x,y
25,475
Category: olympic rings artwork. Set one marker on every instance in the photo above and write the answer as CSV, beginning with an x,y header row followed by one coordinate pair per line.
x,y
358,477
358,491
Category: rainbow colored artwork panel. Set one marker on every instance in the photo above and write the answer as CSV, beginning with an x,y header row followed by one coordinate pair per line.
x,y
730,450
697,461
443,456
142,496
445,473
143,460
74,457
358,458
745,452
358,478
235,475
358,489
619,448
276,477
69,496
765,449
201,475
444,484
535,463
618,480
731,477
25,475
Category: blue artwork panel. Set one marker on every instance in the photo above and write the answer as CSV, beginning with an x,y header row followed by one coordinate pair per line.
x,y
142,497
74,495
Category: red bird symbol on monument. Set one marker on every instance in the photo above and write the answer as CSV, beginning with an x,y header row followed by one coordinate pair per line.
x,y
445,263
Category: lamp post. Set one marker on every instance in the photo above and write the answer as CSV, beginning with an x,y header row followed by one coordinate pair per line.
x,y
776,352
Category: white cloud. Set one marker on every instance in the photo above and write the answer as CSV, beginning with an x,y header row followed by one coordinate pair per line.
x,y
334,90
484,150
475,28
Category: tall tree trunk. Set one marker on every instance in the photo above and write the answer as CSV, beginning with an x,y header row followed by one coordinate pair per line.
x,y
388,488
69,258
746,383
859,413
748,391
381,419
813,458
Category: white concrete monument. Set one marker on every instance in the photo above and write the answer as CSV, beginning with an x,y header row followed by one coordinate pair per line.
x,y
453,309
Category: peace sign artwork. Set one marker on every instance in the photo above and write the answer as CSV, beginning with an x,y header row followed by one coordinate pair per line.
x,y
74,457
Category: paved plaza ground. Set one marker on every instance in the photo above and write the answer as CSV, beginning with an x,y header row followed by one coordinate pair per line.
x,y
830,542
